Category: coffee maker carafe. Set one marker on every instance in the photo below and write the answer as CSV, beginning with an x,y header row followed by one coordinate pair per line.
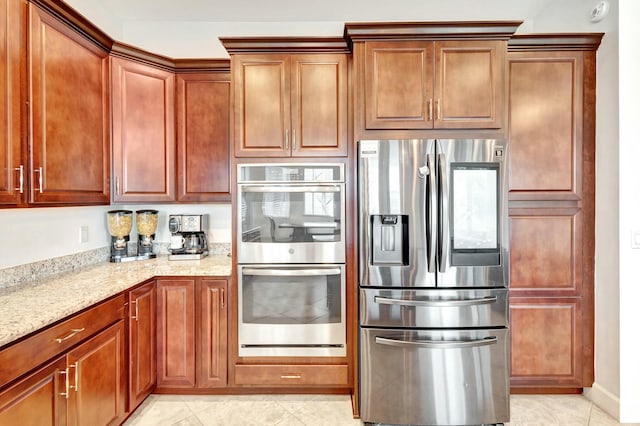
x,y
188,236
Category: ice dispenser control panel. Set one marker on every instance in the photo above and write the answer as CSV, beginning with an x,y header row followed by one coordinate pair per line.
x,y
389,239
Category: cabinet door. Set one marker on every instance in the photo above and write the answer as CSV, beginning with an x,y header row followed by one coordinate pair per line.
x,y
12,165
38,399
142,343
143,132
398,85
176,333
319,105
97,379
203,109
469,84
212,350
545,138
261,105
546,342
69,108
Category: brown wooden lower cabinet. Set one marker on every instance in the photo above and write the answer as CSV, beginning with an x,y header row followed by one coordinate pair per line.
x,y
142,343
87,386
292,375
190,356
546,342
37,399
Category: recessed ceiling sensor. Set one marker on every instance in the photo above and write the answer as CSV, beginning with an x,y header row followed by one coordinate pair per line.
x,y
599,11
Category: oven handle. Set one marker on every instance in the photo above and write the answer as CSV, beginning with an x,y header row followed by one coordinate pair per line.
x,y
290,272
278,188
435,303
437,344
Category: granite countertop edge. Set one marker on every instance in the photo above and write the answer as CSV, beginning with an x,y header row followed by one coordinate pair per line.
x,y
33,306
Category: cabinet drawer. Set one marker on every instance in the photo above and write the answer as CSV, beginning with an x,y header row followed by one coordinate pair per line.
x,y
27,354
292,375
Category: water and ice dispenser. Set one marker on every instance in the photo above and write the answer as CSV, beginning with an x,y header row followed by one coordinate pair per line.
x,y
390,241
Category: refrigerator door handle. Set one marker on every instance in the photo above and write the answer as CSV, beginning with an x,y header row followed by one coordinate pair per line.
x,y
437,344
443,198
432,214
435,302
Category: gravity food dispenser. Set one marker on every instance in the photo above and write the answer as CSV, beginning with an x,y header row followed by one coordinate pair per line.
x,y
119,223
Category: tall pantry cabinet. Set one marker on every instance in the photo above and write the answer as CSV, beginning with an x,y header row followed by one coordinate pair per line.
x,y
551,209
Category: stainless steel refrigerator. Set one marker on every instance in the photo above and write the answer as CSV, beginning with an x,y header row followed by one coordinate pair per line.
x,y
433,276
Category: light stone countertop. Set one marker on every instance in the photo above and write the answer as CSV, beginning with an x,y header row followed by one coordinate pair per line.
x,y
32,306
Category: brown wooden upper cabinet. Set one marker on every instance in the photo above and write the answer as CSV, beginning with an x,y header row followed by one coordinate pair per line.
x,y
55,135
289,104
434,84
143,132
202,136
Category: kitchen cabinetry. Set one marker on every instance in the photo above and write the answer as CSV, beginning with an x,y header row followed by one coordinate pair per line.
x,y
143,132
190,357
65,158
12,65
552,210
83,380
142,343
288,104
202,120
428,76
434,84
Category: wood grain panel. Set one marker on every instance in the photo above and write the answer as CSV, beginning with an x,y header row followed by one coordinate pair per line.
x,y
37,399
98,378
292,375
212,353
12,33
546,342
546,250
142,343
545,103
398,85
176,333
319,104
261,105
203,110
469,84
143,132
69,114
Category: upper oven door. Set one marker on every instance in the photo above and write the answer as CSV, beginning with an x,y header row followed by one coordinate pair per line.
x,y
291,223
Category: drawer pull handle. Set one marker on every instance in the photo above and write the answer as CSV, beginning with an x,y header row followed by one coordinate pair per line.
x,y
70,335
135,316
291,376
76,384
65,373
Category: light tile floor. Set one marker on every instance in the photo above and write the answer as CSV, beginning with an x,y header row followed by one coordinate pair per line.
x,y
335,410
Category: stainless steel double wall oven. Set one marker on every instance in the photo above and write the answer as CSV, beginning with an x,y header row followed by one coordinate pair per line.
x,y
291,255
433,275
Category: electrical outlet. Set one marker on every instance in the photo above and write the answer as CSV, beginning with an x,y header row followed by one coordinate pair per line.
x,y
84,234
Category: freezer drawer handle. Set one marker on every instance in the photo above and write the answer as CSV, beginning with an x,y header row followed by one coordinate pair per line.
x,y
435,303
437,344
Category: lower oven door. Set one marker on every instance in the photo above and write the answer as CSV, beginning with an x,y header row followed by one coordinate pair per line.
x,y
294,310
435,377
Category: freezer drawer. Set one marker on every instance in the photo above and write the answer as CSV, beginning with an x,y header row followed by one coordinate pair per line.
x,y
442,377
434,308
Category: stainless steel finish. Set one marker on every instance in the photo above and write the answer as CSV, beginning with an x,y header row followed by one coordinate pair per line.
x,y
74,331
455,383
318,248
275,337
39,172
20,171
431,308
389,183
307,272
187,256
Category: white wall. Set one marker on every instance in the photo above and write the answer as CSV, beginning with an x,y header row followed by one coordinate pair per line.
x,y
31,235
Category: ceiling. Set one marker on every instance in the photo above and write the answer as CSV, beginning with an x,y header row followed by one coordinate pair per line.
x,y
190,28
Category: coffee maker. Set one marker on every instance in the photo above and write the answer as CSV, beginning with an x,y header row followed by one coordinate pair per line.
x,y
188,236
